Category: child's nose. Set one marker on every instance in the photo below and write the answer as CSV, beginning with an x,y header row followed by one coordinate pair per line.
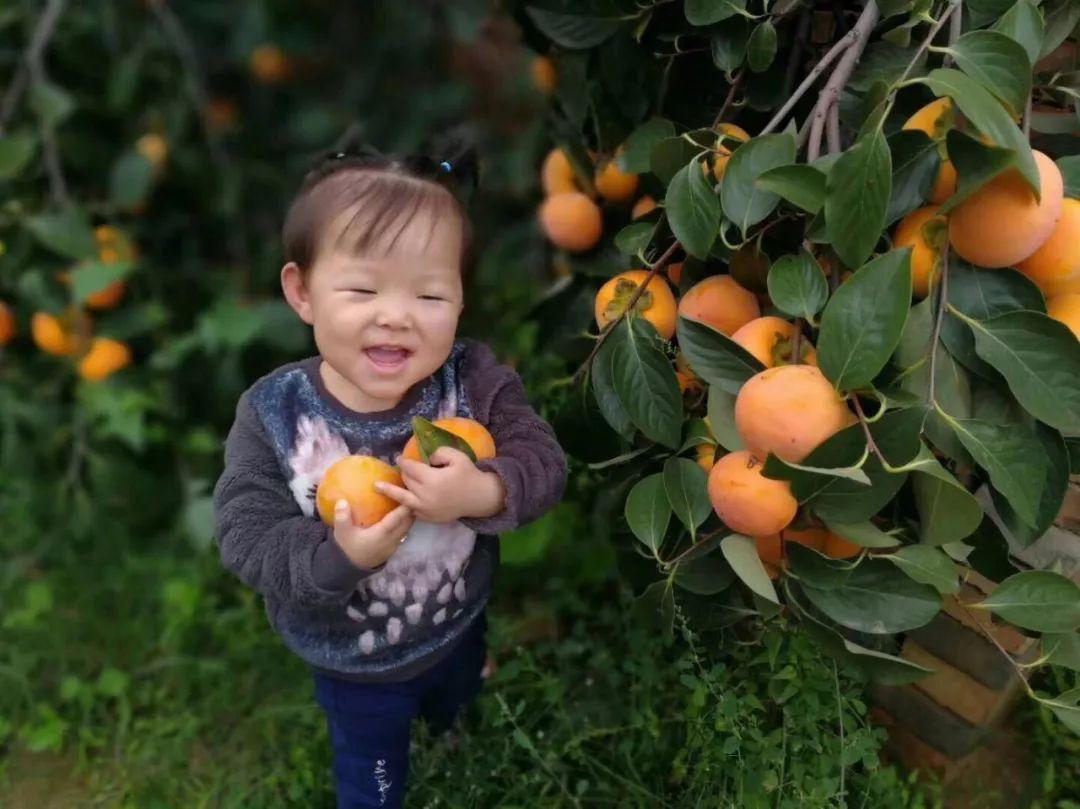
x,y
392,314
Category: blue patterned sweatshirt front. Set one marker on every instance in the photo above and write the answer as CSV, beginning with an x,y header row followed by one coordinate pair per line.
x,y
392,622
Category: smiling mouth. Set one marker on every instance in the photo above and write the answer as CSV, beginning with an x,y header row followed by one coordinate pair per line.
x,y
387,358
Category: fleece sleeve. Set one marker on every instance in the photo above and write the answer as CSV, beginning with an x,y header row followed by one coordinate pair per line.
x,y
529,460
263,536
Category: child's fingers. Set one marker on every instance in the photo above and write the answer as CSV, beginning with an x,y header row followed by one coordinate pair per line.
x,y
342,514
447,456
403,496
414,469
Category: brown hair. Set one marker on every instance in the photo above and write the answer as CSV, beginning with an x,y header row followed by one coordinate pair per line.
x,y
381,194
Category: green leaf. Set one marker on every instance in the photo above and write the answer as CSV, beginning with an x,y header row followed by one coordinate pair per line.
x,y
637,153
1066,707
983,294
797,286
761,49
670,155
695,433
693,210
634,238
16,151
841,501
976,165
1061,21
988,116
728,44
915,166
878,599
799,184
743,202
1039,600
865,534
947,511
815,569
92,276
706,12
704,574
572,31
1070,172
780,469
648,511
716,358
131,179
1052,493
1040,359
1012,456
1023,23
928,566
645,383
429,438
684,482
68,233
741,553
1063,649
721,407
602,376
863,321
879,667
857,197
54,104
998,63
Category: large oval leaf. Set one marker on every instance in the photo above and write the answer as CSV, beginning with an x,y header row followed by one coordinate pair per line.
x,y
1040,359
721,409
716,358
947,511
879,667
857,197
693,210
684,482
1012,456
1024,24
602,377
1052,491
879,599
68,233
761,49
645,382
863,321
744,203
797,286
915,165
928,566
573,31
988,116
983,294
637,149
998,63
799,184
741,553
1039,600
648,511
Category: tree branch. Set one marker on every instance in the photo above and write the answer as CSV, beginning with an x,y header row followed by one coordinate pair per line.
x,y
826,60
736,83
830,95
943,301
870,442
833,129
44,31
35,65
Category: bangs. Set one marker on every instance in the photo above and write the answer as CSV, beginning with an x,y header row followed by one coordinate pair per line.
x,y
365,212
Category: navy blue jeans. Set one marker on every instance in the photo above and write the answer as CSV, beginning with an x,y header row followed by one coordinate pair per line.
x,y
369,723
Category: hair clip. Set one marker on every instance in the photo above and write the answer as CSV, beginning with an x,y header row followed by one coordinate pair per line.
x,y
446,166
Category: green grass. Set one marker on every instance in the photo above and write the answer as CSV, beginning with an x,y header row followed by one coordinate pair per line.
x,y
140,674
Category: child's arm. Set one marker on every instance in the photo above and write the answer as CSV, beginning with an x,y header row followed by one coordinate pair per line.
x,y
530,463
264,537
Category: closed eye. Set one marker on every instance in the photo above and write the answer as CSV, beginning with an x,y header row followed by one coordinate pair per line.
x,y
432,298
363,291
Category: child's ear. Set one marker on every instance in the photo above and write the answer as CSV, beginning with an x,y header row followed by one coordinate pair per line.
x,y
296,291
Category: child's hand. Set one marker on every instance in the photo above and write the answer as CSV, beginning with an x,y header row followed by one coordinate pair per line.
x,y
370,547
451,488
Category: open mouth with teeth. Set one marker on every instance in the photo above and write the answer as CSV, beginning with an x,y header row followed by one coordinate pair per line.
x,y
387,358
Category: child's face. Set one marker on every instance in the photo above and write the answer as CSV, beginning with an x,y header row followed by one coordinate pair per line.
x,y
382,324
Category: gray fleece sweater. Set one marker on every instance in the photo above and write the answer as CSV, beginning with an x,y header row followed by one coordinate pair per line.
x,y
392,622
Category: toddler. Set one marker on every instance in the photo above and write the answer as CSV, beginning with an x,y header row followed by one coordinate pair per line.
x,y
390,618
